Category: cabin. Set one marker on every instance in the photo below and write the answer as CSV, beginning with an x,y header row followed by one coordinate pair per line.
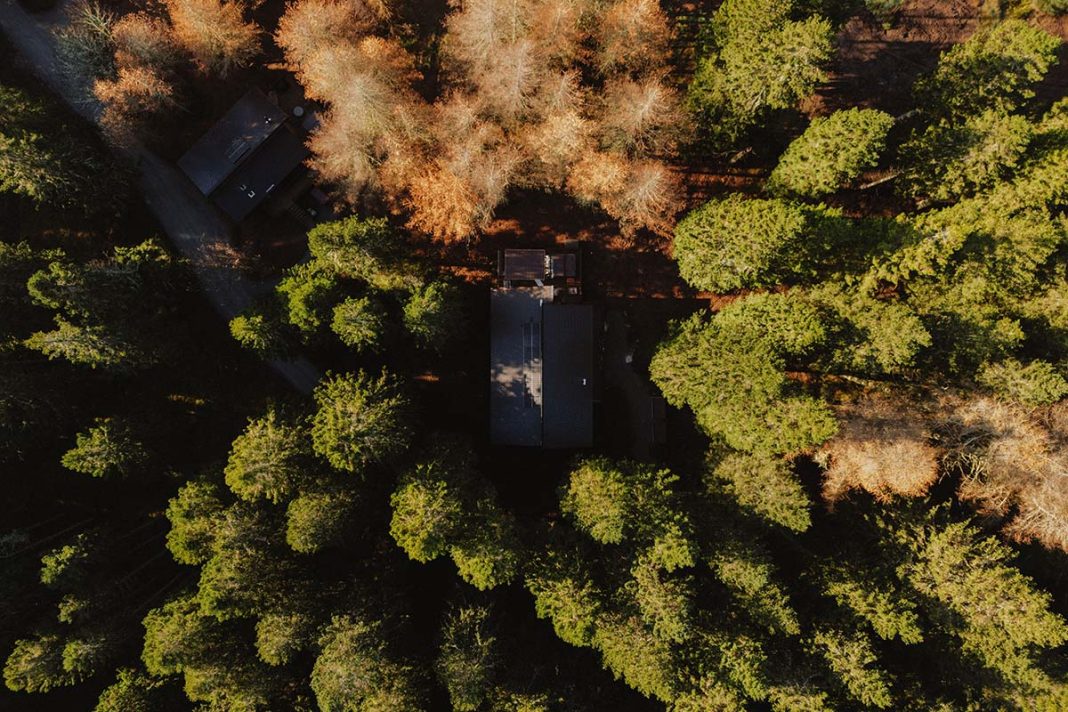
x,y
245,156
542,352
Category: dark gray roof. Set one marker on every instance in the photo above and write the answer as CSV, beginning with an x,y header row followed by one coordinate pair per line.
x,y
255,178
522,264
516,365
567,338
565,265
231,141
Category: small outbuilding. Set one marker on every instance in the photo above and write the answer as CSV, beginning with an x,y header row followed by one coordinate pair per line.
x,y
248,153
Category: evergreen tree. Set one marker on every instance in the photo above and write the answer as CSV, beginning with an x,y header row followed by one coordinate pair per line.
x,y
317,520
359,323
831,151
565,594
952,565
367,250
194,514
308,291
1036,384
37,665
261,332
355,670
734,383
66,567
133,691
360,420
107,449
636,655
280,636
733,243
51,160
269,459
441,506
433,316
995,69
765,485
467,656
851,657
951,161
92,346
760,60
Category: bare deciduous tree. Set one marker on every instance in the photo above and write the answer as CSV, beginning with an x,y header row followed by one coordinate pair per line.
x,y
214,32
133,97
1014,466
882,447
143,40
639,194
311,26
515,112
479,28
557,27
641,116
467,181
553,144
632,35
506,84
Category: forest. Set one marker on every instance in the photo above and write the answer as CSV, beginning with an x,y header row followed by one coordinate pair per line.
x,y
839,232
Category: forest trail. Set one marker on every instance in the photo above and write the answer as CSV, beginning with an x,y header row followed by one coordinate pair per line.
x,y
193,226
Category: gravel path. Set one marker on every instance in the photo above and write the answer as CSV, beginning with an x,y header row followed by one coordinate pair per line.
x,y
197,231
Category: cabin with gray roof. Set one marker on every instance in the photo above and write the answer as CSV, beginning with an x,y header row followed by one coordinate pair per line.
x,y
248,153
542,352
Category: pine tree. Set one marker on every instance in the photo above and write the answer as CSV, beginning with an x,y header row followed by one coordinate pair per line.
x,y
368,250
359,323
760,60
269,460
433,316
316,520
52,161
764,485
831,151
995,69
1035,384
360,420
733,243
851,657
308,292
108,449
354,668
194,514
467,656
950,161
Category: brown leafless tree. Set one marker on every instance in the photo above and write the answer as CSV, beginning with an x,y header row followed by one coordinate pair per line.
x,y
641,117
132,99
146,41
312,26
632,36
215,33
883,447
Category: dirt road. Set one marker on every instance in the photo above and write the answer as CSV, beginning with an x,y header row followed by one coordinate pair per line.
x,y
197,231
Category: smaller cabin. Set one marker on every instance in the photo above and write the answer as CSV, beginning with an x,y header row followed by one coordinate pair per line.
x,y
245,156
